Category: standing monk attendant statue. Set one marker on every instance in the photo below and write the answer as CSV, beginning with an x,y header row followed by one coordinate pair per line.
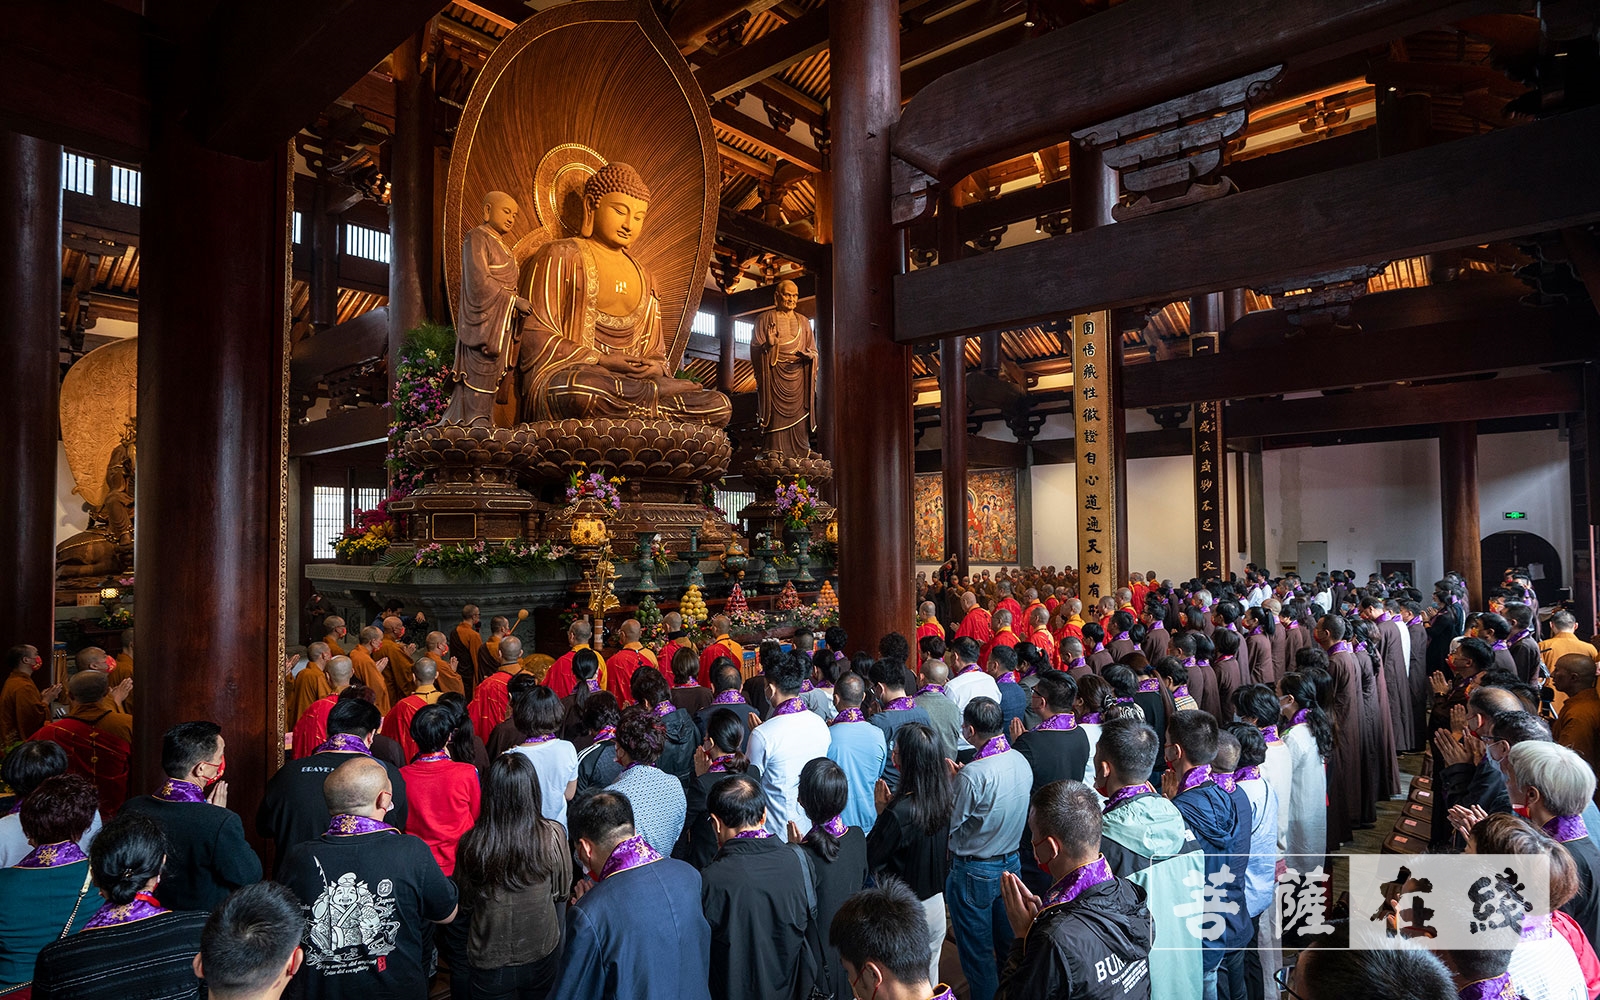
x,y
490,319
592,345
784,354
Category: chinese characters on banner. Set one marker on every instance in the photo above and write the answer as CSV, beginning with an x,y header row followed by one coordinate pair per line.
x,y
1093,411
1210,480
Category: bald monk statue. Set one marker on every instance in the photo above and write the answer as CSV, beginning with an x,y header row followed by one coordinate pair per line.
x,y
592,345
784,354
489,316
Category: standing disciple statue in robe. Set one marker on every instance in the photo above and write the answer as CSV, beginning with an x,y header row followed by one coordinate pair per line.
x,y
592,345
784,354
490,315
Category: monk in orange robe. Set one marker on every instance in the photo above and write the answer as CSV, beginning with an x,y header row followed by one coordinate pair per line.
x,y
398,652
437,648
310,683
336,633
466,643
98,740
23,707
489,655
929,612
311,730
369,670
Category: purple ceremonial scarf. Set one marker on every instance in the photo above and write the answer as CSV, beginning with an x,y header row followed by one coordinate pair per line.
x,y
1156,626
631,853
1224,780
1392,616
605,733
835,826
719,765
344,743
945,993
1074,883
848,715
1122,701
931,689
1124,794
1292,625
1190,663
1567,828
728,698
534,741
1198,776
969,668
790,707
143,907
1500,645
663,710
1361,647
1181,691
757,834
178,790
53,855
1269,733
1121,637
901,704
1091,719
1300,716
1079,662
997,745
1498,988
346,825
690,683
1256,630
1148,685
1516,637
1009,677
1339,647
1064,722
806,687
1247,774
1098,647
428,758
592,684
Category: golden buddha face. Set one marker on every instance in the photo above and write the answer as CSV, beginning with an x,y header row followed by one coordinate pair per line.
x,y
619,219
500,211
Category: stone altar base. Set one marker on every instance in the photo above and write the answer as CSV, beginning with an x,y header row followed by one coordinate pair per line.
x,y
765,474
474,496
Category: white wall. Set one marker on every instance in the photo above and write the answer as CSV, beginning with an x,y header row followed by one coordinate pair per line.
x,y
1160,516
1374,502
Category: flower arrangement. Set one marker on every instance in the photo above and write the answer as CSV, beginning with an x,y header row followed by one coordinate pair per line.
x,y
798,504
809,617
736,601
479,558
747,621
657,552
119,618
708,500
370,536
788,598
420,396
595,486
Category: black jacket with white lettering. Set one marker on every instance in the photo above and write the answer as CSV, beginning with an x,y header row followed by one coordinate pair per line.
x,y
1096,947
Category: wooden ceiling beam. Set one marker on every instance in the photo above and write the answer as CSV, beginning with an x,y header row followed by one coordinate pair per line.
x,y
985,15
924,74
753,232
780,95
1479,399
770,54
1533,178
1078,76
76,73
767,137
274,67
1450,349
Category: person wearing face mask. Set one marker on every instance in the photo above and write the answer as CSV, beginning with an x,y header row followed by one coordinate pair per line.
x,y
1309,736
1469,776
1088,937
879,935
1144,839
1551,785
207,855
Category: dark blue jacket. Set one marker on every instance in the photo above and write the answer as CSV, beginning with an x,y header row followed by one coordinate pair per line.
x,y
1221,824
1013,703
638,935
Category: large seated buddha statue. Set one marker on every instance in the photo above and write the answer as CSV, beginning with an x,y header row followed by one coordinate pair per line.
x,y
592,344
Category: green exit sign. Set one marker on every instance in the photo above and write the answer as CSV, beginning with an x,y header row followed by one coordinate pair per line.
x,y
1515,515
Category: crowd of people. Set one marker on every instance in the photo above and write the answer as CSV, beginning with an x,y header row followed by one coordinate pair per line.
x,y
1089,801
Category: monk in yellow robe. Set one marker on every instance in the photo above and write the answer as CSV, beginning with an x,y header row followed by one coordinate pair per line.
x,y
436,647
368,670
399,654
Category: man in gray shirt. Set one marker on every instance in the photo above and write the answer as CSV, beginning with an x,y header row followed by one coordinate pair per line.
x,y
943,715
991,813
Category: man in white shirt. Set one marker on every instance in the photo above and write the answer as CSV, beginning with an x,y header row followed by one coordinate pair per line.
x,y
969,682
782,746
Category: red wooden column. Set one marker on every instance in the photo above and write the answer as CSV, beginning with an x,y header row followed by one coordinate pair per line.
x,y
212,445
953,446
412,261
30,384
1458,488
871,404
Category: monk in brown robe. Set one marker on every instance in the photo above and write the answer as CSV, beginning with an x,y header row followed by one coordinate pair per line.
x,y
436,647
466,643
489,655
398,652
336,633
369,670
1345,762
784,354
592,346
310,683
23,707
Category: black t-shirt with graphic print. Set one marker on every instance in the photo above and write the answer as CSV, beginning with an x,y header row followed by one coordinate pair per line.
x,y
369,900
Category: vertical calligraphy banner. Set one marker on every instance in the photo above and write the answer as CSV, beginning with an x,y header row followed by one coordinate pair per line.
x,y
1094,408
1210,478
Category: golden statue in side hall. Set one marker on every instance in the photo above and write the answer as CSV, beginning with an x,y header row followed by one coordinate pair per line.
x,y
784,354
592,344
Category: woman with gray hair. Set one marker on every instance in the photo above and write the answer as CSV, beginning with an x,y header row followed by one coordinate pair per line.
x,y
1552,785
